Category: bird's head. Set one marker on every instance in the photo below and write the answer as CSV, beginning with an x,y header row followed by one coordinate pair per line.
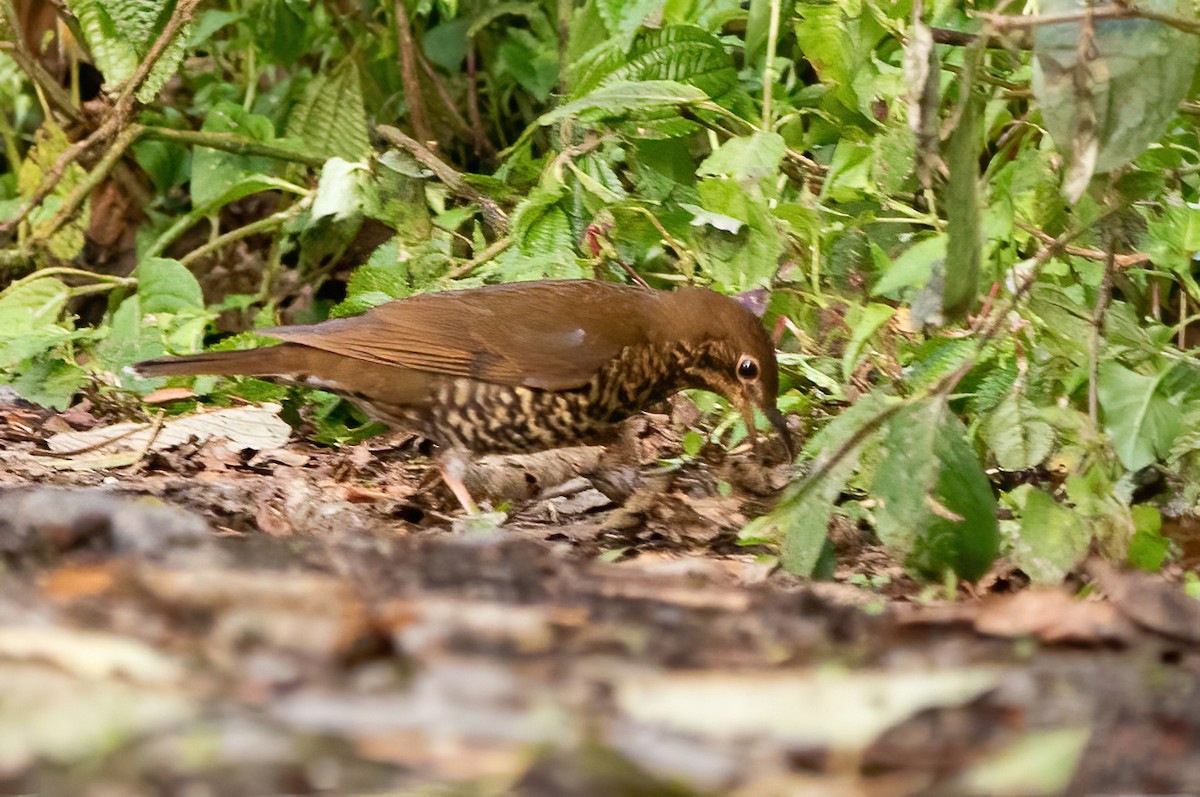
x,y
734,356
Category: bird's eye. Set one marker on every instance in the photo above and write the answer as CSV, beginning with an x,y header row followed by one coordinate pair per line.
x,y
747,368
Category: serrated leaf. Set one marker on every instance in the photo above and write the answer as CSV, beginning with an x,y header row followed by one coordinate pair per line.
x,y
1016,434
624,98
114,55
332,120
683,53
50,143
26,306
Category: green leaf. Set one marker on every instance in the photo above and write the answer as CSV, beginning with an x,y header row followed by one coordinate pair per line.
x,y
1016,434
683,53
964,248
216,173
166,286
446,44
800,521
29,305
332,119
49,382
747,159
128,342
1107,110
626,99
1148,548
1052,538
1141,416
913,267
936,505
870,319
745,259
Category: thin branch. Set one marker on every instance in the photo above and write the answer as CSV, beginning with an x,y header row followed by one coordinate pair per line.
x,y
1097,320
232,143
408,74
245,231
489,253
1130,260
478,135
1114,11
20,52
1022,40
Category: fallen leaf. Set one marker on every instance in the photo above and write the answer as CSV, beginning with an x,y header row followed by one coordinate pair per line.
x,y
1053,615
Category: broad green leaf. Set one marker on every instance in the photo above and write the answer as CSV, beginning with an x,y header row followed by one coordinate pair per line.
x,y
747,159
1148,548
166,286
1141,417
27,306
49,382
1016,434
1052,538
745,259
1107,110
913,267
446,44
936,508
215,172
129,341
800,521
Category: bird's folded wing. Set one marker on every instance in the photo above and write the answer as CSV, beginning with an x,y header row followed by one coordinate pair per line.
x,y
548,335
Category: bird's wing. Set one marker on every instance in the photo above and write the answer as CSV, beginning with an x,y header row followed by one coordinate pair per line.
x,y
552,335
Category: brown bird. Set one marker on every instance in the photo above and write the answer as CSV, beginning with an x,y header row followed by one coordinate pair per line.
x,y
520,367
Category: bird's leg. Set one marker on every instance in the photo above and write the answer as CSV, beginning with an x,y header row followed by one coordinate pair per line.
x,y
452,463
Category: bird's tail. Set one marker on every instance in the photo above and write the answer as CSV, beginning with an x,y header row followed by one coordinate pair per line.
x,y
267,361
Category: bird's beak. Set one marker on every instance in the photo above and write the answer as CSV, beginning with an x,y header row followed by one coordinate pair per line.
x,y
780,423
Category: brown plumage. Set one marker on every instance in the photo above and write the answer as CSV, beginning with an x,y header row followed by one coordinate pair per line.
x,y
523,366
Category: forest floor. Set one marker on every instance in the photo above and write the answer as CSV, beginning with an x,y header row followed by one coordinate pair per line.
x,y
299,619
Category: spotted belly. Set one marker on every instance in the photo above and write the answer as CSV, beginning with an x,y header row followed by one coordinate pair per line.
x,y
488,418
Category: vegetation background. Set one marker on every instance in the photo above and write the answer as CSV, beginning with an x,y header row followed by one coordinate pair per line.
x,y
976,224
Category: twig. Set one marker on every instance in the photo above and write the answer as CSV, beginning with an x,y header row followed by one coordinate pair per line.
x,y
768,73
490,251
1114,11
408,74
1023,40
18,49
1094,339
1130,260
478,135
245,231
496,218
232,143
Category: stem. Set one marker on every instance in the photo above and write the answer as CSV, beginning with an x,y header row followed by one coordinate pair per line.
x,y
245,231
768,75
232,143
79,194
408,74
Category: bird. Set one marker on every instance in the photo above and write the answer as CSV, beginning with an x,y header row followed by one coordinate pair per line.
x,y
518,367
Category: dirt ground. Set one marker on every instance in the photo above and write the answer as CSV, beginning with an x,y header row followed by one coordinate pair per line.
x,y
299,619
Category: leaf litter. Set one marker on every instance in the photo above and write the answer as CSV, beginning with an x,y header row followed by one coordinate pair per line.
x,y
299,619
